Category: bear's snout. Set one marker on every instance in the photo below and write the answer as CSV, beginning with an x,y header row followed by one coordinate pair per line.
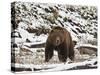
x,y
57,41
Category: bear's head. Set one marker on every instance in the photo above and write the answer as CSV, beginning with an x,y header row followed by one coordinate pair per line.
x,y
56,36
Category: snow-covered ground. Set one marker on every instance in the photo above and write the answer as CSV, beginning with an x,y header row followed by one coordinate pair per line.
x,y
58,67
31,23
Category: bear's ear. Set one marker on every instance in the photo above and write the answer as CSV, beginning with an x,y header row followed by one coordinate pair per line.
x,y
74,42
52,31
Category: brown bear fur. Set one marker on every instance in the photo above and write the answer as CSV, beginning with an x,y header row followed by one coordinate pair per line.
x,y
59,39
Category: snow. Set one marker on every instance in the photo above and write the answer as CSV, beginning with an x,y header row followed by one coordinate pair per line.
x,y
23,25
15,34
37,40
55,67
74,16
68,66
16,40
62,13
23,33
86,45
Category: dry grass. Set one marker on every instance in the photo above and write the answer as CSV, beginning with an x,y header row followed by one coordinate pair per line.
x,y
37,57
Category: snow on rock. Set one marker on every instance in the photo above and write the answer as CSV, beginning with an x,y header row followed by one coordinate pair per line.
x,y
37,40
87,50
86,45
74,19
23,25
23,33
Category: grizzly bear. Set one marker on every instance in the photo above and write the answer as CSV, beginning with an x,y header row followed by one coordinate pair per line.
x,y
59,39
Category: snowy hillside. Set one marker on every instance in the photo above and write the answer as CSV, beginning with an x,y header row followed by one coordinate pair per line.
x,y
31,23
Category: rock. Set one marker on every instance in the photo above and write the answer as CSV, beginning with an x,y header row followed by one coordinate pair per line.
x,y
87,50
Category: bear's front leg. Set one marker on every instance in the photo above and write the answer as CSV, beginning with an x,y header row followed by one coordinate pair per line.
x,y
71,53
62,55
48,53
